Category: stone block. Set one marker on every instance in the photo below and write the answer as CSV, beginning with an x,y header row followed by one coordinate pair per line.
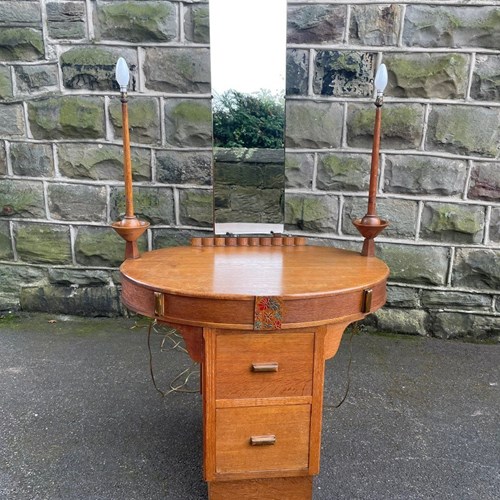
x,y
43,243
79,277
409,321
486,78
21,199
452,223
402,125
163,238
20,14
313,124
314,24
102,162
184,167
21,44
297,72
93,68
188,123
341,73
477,268
177,69
136,21
428,76
33,79
447,26
154,204
31,159
403,297
143,118
464,130
436,299
401,214
196,207
495,225
101,246
415,264
299,168
450,325
77,202
343,172
485,182
375,24
196,24
3,159
13,278
5,243
66,20
67,117
424,175
12,122
312,213
6,91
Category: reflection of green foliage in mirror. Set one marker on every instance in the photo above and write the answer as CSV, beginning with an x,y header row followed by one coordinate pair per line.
x,y
249,120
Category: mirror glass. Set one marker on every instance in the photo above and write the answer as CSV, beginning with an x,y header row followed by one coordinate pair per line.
x,y
248,52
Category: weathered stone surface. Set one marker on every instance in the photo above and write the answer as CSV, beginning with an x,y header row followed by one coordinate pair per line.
x,y
5,243
495,225
33,79
415,264
343,73
67,117
313,124
6,91
477,268
453,223
14,277
177,69
485,182
448,325
312,213
77,202
486,78
375,24
21,44
101,246
19,14
431,76
143,118
343,172
79,301
136,21
66,20
403,297
402,125
3,159
179,167
34,160
93,68
316,24
424,175
175,237
12,122
188,122
299,169
401,214
446,26
21,199
196,207
43,243
154,204
435,299
102,162
79,277
297,71
464,130
196,24
410,321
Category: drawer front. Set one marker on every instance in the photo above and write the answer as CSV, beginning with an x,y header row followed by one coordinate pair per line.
x,y
257,439
250,365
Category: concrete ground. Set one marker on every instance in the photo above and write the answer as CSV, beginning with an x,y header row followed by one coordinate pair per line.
x,y
80,419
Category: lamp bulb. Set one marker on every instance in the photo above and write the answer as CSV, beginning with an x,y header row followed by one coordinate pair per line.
x,y
381,79
122,74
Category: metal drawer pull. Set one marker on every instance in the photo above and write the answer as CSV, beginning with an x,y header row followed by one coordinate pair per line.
x,y
263,440
367,300
159,304
265,367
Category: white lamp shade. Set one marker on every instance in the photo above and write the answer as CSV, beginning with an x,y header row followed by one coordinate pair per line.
x,y
122,73
381,79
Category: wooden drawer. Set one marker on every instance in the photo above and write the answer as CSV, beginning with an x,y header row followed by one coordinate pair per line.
x,y
241,356
236,427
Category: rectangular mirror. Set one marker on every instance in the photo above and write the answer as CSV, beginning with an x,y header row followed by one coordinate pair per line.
x,y
248,54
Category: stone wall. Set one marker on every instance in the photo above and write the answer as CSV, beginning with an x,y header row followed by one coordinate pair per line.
x,y
60,154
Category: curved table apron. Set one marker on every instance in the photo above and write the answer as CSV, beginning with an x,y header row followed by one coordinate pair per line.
x,y
261,321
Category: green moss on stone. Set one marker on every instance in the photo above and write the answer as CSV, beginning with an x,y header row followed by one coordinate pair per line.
x,y
453,218
409,69
137,11
21,44
89,56
340,165
43,244
193,112
5,83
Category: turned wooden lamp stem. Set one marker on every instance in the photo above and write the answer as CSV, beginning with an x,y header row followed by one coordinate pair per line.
x,y
127,164
372,191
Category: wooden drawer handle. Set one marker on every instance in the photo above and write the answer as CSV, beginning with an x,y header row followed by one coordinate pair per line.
x,y
263,440
265,367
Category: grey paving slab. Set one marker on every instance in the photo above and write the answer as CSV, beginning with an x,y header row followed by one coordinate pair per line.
x,y
80,419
